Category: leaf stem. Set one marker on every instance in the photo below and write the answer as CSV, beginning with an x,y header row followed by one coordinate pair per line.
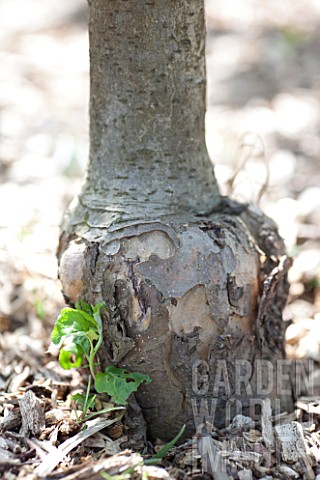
x,y
91,359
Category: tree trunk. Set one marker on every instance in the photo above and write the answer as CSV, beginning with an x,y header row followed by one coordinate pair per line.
x,y
180,268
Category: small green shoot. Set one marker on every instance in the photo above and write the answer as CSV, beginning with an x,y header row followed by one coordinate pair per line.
x,y
85,401
165,449
79,333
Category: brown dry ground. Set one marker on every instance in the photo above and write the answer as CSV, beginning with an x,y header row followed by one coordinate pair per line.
x,y
262,125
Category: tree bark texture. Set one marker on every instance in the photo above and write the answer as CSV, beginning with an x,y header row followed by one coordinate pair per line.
x,y
188,276
147,108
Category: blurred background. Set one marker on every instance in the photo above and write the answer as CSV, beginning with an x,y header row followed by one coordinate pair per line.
x,y
263,133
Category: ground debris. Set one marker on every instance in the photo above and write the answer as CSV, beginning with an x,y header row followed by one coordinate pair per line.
x,y
32,414
245,475
128,464
291,441
57,455
266,425
275,447
272,449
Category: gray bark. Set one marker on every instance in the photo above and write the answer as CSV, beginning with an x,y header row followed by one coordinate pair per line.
x,y
179,267
147,104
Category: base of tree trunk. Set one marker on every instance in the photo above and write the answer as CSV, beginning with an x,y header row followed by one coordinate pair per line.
x,y
196,303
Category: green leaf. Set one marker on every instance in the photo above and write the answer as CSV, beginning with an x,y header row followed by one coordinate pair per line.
x,y
83,342
79,399
67,354
70,322
119,383
84,306
84,400
92,334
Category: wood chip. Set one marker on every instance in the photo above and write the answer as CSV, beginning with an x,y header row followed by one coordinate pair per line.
x,y
241,421
253,436
32,414
266,425
291,440
3,443
292,446
288,471
11,420
315,446
241,456
245,475
309,407
5,456
18,380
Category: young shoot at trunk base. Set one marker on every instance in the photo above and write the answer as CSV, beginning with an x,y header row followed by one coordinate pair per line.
x,y
79,333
